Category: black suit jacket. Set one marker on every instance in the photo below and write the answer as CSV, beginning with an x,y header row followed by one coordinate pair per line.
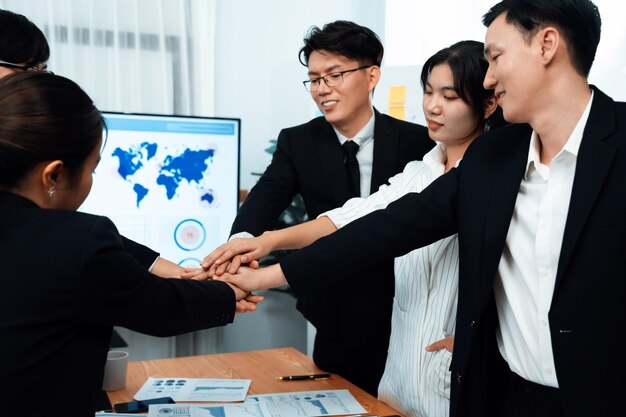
x,y
477,200
142,254
66,280
309,160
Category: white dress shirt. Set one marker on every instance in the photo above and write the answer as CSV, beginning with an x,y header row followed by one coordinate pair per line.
x,y
365,139
416,382
526,275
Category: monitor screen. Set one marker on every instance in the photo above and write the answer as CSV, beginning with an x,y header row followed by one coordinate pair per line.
x,y
169,182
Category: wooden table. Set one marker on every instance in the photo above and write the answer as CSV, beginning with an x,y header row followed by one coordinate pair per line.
x,y
261,366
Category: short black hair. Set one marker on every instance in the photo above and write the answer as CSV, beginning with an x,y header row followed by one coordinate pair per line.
x,y
345,38
21,41
469,66
578,20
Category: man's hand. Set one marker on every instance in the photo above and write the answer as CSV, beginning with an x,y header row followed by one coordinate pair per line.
x,y
245,300
248,303
249,279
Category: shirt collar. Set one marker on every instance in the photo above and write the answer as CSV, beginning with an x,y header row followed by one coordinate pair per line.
x,y
571,146
363,136
436,159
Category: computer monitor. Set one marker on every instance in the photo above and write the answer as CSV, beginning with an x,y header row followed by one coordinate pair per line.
x,y
169,182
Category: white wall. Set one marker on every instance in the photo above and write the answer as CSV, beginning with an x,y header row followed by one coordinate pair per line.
x,y
257,73
609,69
416,29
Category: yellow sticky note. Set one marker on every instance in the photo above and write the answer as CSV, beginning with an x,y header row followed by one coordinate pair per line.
x,y
396,112
397,94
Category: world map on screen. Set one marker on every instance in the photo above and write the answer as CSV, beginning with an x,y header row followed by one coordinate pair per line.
x,y
152,168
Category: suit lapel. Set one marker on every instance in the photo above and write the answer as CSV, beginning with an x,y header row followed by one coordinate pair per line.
x,y
502,204
592,166
385,152
330,155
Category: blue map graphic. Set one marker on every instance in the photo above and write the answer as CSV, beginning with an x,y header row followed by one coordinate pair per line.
x,y
166,167
141,192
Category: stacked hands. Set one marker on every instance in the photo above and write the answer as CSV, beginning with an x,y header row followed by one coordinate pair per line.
x,y
236,263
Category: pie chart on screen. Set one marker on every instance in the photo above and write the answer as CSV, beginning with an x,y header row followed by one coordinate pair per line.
x,y
189,234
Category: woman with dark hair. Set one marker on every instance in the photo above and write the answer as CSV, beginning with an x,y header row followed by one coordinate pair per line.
x,y
23,45
67,279
458,109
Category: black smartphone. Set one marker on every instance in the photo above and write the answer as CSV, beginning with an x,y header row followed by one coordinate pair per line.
x,y
141,406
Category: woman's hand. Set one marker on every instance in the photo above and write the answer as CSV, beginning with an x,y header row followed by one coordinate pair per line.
x,y
231,255
446,343
199,274
166,269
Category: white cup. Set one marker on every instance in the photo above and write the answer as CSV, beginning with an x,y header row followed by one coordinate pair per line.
x,y
115,371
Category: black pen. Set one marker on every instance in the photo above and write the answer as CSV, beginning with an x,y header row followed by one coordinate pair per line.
x,y
302,377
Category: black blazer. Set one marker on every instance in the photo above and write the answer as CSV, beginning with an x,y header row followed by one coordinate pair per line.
x,y
477,200
66,280
142,254
309,160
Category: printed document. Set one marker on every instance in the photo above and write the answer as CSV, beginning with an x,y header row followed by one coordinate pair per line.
x,y
288,404
194,389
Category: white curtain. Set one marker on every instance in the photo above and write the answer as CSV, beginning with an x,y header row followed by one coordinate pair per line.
x,y
141,56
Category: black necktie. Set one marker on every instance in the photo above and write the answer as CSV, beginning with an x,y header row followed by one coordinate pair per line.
x,y
352,166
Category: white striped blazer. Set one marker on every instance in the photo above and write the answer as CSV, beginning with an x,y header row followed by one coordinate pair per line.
x,y
416,382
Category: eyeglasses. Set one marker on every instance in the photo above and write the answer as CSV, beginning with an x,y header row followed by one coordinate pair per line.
x,y
331,80
36,68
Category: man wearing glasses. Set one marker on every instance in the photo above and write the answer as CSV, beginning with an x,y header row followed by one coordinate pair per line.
x,y
349,152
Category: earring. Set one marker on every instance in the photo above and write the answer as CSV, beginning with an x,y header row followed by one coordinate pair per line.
x,y
51,191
